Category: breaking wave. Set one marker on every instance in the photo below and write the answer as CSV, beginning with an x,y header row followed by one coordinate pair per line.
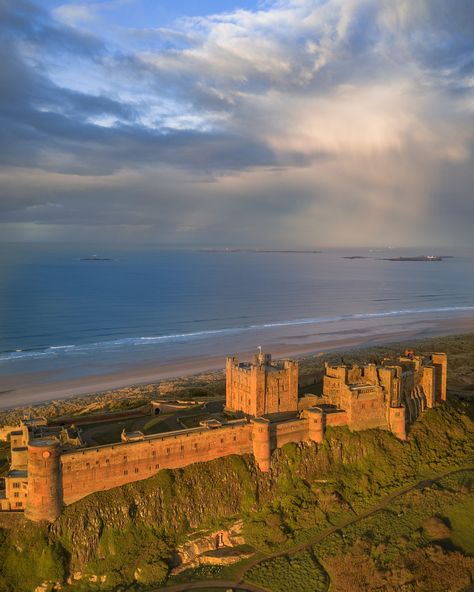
x,y
58,350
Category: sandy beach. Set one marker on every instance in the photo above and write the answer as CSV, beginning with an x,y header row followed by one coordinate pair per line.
x,y
30,388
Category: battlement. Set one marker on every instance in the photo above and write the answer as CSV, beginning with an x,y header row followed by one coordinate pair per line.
x,y
51,467
261,387
369,393
261,360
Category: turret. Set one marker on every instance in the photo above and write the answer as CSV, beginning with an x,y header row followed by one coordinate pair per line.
x,y
261,443
397,422
316,424
44,480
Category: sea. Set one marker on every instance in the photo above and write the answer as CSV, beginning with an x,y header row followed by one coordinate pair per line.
x,y
65,314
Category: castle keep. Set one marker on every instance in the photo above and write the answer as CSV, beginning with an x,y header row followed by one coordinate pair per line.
x,y
261,387
51,467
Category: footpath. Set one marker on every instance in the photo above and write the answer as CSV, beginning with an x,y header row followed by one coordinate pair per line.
x,y
239,585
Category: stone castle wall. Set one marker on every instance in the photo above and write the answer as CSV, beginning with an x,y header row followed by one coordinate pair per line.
x,y
295,430
390,397
86,471
336,419
94,469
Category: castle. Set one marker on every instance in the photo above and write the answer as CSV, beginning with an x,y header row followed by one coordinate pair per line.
x,y
51,468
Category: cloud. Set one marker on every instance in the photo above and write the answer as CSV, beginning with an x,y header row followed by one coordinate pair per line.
x,y
75,14
298,120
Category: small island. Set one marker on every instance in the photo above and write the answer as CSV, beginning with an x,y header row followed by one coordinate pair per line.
x,y
96,258
418,258
355,257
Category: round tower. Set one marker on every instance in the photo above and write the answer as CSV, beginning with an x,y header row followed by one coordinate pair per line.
x,y
315,417
261,443
44,480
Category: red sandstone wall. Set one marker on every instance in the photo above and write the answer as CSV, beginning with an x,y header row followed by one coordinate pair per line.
x,y
440,362
96,469
260,390
428,382
331,388
291,431
397,422
368,412
44,482
339,418
240,384
281,391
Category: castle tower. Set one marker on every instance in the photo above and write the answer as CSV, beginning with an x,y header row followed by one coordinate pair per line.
x,y
261,443
440,362
397,422
316,424
334,380
44,480
261,387
389,379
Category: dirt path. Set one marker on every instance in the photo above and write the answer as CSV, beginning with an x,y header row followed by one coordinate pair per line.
x,y
240,585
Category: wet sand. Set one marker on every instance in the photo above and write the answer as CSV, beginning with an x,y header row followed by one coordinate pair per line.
x,y
29,388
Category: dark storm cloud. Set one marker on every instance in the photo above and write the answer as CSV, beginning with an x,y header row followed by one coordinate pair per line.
x,y
36,114
316,118
26,21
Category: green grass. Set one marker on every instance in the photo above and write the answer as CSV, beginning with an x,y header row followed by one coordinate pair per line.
x,y
167,423
136,552
233,572
126,404
106,433
28,558
301,572
461,517
149,426
400,542
200,573
310,488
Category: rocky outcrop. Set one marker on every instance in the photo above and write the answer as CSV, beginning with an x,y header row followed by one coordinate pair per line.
x,y
214,548
132,533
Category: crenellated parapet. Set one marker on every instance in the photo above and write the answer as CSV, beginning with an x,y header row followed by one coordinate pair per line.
x,y
390,395
52,468
261,387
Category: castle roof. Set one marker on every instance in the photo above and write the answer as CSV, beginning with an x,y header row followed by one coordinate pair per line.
x,y
18,473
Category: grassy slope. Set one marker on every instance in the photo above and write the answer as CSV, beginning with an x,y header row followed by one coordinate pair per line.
x,y
112,533
399,548
115,532
461,518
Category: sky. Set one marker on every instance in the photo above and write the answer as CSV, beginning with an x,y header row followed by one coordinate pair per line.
x,y
248,123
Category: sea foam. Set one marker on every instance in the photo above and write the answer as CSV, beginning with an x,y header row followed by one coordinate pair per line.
x,y
83,348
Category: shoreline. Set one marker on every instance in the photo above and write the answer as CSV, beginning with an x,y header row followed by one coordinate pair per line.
x,y
34,391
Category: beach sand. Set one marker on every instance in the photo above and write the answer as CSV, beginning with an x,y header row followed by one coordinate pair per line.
x,y
23,389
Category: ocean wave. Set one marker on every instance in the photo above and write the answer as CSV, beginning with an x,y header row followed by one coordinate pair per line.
x,y
55,350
